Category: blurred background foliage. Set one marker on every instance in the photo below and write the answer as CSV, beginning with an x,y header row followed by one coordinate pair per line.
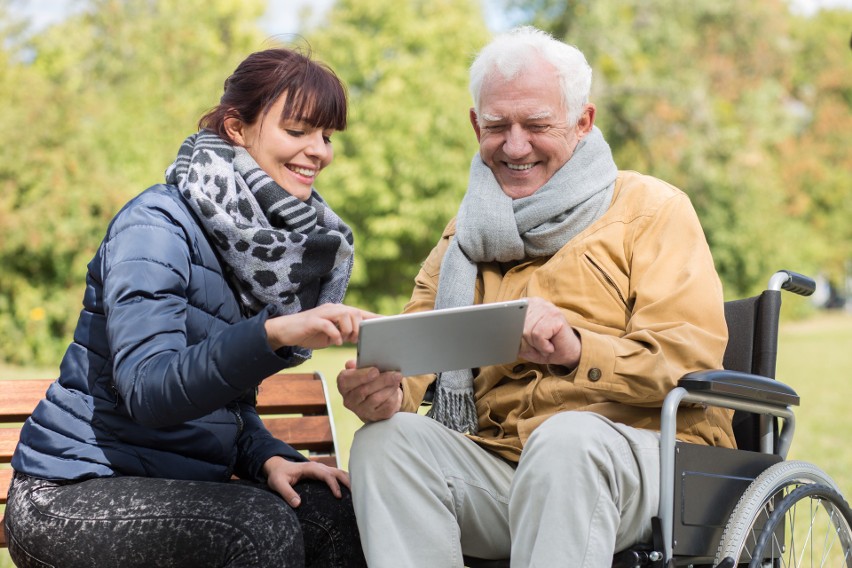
x,y
743,105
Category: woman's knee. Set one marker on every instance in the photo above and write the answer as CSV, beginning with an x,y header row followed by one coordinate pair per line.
x,y
271,533
328,525
320,505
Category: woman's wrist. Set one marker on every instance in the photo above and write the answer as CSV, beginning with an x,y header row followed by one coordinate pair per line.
x,y
269,464
272,339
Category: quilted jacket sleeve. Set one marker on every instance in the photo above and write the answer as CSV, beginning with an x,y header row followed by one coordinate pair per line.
x,y
161,378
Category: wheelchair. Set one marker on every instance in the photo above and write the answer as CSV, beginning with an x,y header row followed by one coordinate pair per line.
x,y
721,507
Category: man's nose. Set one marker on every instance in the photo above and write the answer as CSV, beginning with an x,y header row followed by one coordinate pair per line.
x,y
517,142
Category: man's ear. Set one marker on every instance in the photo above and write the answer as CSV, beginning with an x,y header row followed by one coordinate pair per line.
x,y
586,121
474,121
234,130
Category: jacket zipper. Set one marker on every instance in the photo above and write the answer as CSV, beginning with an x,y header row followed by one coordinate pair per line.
x,y
609,280
235,408
115,394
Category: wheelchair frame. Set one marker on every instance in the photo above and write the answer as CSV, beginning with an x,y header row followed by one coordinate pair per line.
x,y
678,530
736,494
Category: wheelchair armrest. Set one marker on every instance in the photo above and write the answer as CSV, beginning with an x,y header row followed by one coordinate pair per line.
x,y
741,386
726,389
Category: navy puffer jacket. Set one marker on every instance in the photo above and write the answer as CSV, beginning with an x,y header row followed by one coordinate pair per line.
x,y
160,378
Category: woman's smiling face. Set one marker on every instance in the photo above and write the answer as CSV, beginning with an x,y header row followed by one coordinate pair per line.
x,y
291,151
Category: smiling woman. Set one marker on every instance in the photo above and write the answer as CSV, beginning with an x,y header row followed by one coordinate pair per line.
x,y
203,286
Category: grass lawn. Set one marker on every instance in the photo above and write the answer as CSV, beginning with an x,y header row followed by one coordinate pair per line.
x,y
815,358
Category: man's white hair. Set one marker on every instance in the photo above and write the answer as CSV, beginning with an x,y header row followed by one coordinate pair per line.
x,y
512,52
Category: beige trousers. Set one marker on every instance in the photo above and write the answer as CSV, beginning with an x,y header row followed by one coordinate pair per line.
x,y
424,495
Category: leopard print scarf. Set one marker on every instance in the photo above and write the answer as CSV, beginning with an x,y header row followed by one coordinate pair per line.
x,y
277,250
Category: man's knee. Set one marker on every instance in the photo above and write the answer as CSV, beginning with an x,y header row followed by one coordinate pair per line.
x,y
376,441
571,436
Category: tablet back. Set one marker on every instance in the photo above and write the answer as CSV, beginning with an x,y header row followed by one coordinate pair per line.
x,y
443,340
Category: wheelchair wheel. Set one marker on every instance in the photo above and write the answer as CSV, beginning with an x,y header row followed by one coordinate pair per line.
x,y
768,493
809,527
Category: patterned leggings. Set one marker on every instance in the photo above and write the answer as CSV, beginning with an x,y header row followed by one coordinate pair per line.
x,y
124,522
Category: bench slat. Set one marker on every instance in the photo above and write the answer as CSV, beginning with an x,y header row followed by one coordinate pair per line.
x,y
291,394
305,433
19,397
8,441
330,461
278,394
5,479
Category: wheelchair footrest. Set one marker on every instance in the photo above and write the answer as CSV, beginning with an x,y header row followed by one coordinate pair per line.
x,y
632,558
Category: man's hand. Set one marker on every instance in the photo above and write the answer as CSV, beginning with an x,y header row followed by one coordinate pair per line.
x,y
282,475
370,394
547,337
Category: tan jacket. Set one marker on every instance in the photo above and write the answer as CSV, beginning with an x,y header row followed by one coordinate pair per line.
x,y
640,287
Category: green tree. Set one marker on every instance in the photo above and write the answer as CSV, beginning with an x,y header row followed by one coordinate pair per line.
x,y
401,166
697,94
94,111
816,162
45,218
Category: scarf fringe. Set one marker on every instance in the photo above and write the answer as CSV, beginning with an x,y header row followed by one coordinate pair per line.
x,y
455,410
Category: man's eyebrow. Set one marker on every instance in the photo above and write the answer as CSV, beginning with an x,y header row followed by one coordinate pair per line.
x,y
497,118
540,115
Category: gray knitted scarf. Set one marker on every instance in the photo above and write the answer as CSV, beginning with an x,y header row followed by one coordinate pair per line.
x,y
276,250
491,226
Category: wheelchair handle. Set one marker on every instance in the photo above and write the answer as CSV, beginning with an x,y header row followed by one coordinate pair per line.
x,y
792,282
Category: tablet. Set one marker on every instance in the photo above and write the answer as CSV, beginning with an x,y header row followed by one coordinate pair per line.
x,y
443,340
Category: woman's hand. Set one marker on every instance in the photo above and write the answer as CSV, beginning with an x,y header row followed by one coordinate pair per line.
x,y
319,327
282,475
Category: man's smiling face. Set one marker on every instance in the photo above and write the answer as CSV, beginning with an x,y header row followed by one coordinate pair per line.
x,y
523,128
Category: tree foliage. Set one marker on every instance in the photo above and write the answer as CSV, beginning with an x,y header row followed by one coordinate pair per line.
x,y
401,166
92,119
699,94
815,161
743,105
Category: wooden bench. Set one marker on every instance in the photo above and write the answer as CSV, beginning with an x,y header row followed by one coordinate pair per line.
x,y
294,406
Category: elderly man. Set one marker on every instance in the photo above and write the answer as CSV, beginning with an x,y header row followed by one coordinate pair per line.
x,y
553,459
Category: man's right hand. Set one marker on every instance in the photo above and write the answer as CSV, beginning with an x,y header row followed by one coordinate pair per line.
x,y
369,393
